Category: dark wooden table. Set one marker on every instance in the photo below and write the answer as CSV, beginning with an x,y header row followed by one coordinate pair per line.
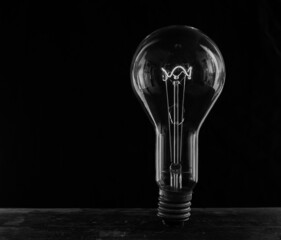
x,y
89,224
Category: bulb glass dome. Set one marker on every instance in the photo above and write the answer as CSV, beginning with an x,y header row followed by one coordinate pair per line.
x,y
177,73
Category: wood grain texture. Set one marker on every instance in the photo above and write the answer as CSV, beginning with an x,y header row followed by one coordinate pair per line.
x,y
98,224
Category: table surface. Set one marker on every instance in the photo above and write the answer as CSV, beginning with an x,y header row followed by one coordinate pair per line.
x,y
98,224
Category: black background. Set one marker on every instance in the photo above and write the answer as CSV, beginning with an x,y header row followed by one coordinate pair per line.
x,y
72,133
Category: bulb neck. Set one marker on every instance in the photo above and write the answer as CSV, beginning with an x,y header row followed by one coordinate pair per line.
x,y
174,207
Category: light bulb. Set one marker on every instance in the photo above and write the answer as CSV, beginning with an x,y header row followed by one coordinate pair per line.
x,y
177,73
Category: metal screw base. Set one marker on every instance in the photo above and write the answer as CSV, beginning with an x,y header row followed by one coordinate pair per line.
x,y
174,207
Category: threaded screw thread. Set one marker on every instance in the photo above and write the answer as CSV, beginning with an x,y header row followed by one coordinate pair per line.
x,y
174,207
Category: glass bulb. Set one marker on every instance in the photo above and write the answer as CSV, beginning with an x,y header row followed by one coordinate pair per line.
x,y
177,73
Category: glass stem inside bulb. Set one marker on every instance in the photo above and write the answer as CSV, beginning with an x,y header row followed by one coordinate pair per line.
x,y
175,86
175,168
176,120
